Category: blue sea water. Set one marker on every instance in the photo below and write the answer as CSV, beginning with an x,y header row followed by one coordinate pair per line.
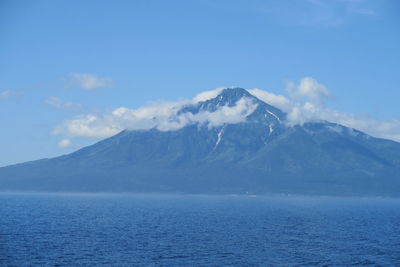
x,y
156,230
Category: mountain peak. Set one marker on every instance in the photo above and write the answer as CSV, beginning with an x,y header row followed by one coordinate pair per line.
x,y
229,97
235,92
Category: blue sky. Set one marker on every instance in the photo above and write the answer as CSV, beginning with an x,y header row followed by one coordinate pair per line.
x,y
66,60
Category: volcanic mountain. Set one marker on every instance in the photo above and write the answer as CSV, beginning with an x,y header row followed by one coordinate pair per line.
x,y
259,155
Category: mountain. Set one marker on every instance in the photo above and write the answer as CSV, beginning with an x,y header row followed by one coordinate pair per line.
x,y
258,155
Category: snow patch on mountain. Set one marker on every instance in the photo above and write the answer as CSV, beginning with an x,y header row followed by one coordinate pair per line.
x,y
219,137
269,112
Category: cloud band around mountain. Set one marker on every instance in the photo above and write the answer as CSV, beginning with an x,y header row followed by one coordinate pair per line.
x,y
163,116
304,102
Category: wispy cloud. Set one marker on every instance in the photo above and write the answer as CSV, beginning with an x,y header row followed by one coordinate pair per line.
x,y
334,12
9,93
90,81
64,143
278,101
304,101
60,104
361,7
207,94
164,116
320,13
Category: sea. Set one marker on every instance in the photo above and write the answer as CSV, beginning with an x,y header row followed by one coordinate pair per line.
x,y
197,230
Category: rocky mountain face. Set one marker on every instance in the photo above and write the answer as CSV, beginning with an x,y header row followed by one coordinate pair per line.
x,y
258,155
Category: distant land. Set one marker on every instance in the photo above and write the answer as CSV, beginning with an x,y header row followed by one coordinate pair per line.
x,y
259,155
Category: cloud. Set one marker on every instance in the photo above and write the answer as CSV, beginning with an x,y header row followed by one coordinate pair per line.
x,y
361,7
304,102
58,103
64,143
383,128
278,101
90,81
334,13
164,116
307,94
314,13
224,114
316,111
310,89
89,126
206,95
9,93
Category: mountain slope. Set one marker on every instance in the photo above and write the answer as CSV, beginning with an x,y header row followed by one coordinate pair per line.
x,y
258,155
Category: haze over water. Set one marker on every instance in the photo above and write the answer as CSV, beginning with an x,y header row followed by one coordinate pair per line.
x,y
154,230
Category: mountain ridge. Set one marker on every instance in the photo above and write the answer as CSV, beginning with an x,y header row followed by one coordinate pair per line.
x,y
260,154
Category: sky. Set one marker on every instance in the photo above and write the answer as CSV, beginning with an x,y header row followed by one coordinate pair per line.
x,y
71,71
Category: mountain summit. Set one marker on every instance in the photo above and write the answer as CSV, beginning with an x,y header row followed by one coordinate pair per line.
x,y
231,143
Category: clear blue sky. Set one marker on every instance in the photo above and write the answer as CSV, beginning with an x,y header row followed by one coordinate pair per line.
x,y
148,50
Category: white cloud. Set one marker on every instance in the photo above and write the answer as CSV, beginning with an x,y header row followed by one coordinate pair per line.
x,y
383,128
58,103
206,95
302,113
163,116
90,81
278,101
334,13
309,89
304,103
89,126
9,93
64,143
307,13
361,7
224,114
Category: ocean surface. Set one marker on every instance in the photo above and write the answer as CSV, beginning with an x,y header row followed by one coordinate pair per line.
x,y
160,230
